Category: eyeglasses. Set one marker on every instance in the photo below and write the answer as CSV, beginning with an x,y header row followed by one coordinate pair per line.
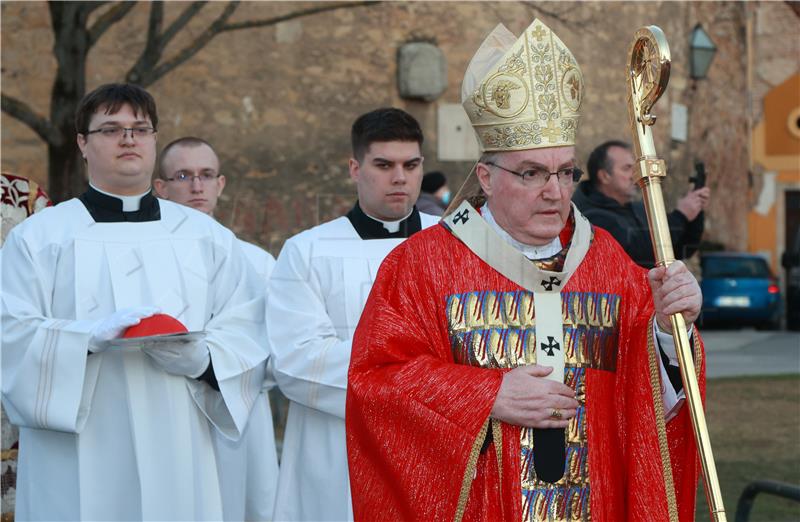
x,y
120,132
538,177
185,177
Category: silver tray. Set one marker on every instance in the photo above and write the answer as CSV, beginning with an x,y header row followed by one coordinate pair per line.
x,y
186,337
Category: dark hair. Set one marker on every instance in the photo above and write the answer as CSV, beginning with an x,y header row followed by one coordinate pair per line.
x,y
433,181
387,124
112,96
186,141
599,160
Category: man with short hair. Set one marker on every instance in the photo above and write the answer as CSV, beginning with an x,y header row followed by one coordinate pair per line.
x,y
505,366
189,174
113,428
607,201
316,294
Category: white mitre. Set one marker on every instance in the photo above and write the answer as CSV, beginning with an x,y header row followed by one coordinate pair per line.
x,y
523,93
520,93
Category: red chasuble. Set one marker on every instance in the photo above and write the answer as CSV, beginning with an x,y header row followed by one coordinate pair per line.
x,y
439,330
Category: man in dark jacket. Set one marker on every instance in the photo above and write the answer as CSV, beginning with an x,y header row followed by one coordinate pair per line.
x,y
607,200
434,195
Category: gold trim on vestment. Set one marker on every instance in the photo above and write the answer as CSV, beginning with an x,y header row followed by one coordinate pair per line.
x,y
497,436
469,473
661,424
698,356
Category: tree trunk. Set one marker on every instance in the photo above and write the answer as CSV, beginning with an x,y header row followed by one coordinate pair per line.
x,y
66,169
66,177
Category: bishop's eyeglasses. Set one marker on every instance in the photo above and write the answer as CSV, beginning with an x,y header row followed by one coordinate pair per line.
x,y
538,177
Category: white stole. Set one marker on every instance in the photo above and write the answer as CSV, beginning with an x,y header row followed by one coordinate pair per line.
x,y
468,226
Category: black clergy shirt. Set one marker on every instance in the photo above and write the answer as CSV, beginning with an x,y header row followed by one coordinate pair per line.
x,y
108,209
369,228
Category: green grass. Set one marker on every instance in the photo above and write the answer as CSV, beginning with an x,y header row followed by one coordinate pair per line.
x,y
754,426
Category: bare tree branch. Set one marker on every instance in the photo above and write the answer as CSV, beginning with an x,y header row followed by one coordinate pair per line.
x,y
795,6
180,22
91,6
154,22
190,50
295,14
147,75
109,18
39,124
572,22
74,37
151,53
157,41
152,47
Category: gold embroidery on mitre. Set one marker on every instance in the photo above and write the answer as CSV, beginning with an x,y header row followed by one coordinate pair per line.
x,y
496,94
531,98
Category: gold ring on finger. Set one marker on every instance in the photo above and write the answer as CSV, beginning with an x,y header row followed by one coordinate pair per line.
x,y
556,413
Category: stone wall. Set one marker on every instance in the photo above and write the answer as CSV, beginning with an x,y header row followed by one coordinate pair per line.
x,y
278,102
776,49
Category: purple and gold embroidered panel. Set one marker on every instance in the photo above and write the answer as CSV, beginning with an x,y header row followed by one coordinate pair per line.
x,y
497,330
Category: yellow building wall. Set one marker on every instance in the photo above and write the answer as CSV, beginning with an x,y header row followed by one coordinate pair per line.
x,y
762,233
765,230
781,113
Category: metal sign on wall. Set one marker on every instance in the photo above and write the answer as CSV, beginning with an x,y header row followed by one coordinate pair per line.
x,y
457,141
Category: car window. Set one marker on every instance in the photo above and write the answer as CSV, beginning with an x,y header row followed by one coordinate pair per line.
x,y
735,267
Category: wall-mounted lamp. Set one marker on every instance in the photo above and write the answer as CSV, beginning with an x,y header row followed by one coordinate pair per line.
x,y
701,53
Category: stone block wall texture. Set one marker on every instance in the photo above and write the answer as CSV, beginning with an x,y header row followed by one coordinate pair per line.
x,y
277,102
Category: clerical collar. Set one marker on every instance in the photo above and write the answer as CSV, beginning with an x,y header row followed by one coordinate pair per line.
x,y
530,251
129,203
111,208
368,227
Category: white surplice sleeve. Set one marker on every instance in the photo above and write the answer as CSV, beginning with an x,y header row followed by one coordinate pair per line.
x,y
263,262
236,337
310,358
46,383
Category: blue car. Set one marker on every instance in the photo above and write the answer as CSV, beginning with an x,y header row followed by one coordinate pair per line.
x,y
739,288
